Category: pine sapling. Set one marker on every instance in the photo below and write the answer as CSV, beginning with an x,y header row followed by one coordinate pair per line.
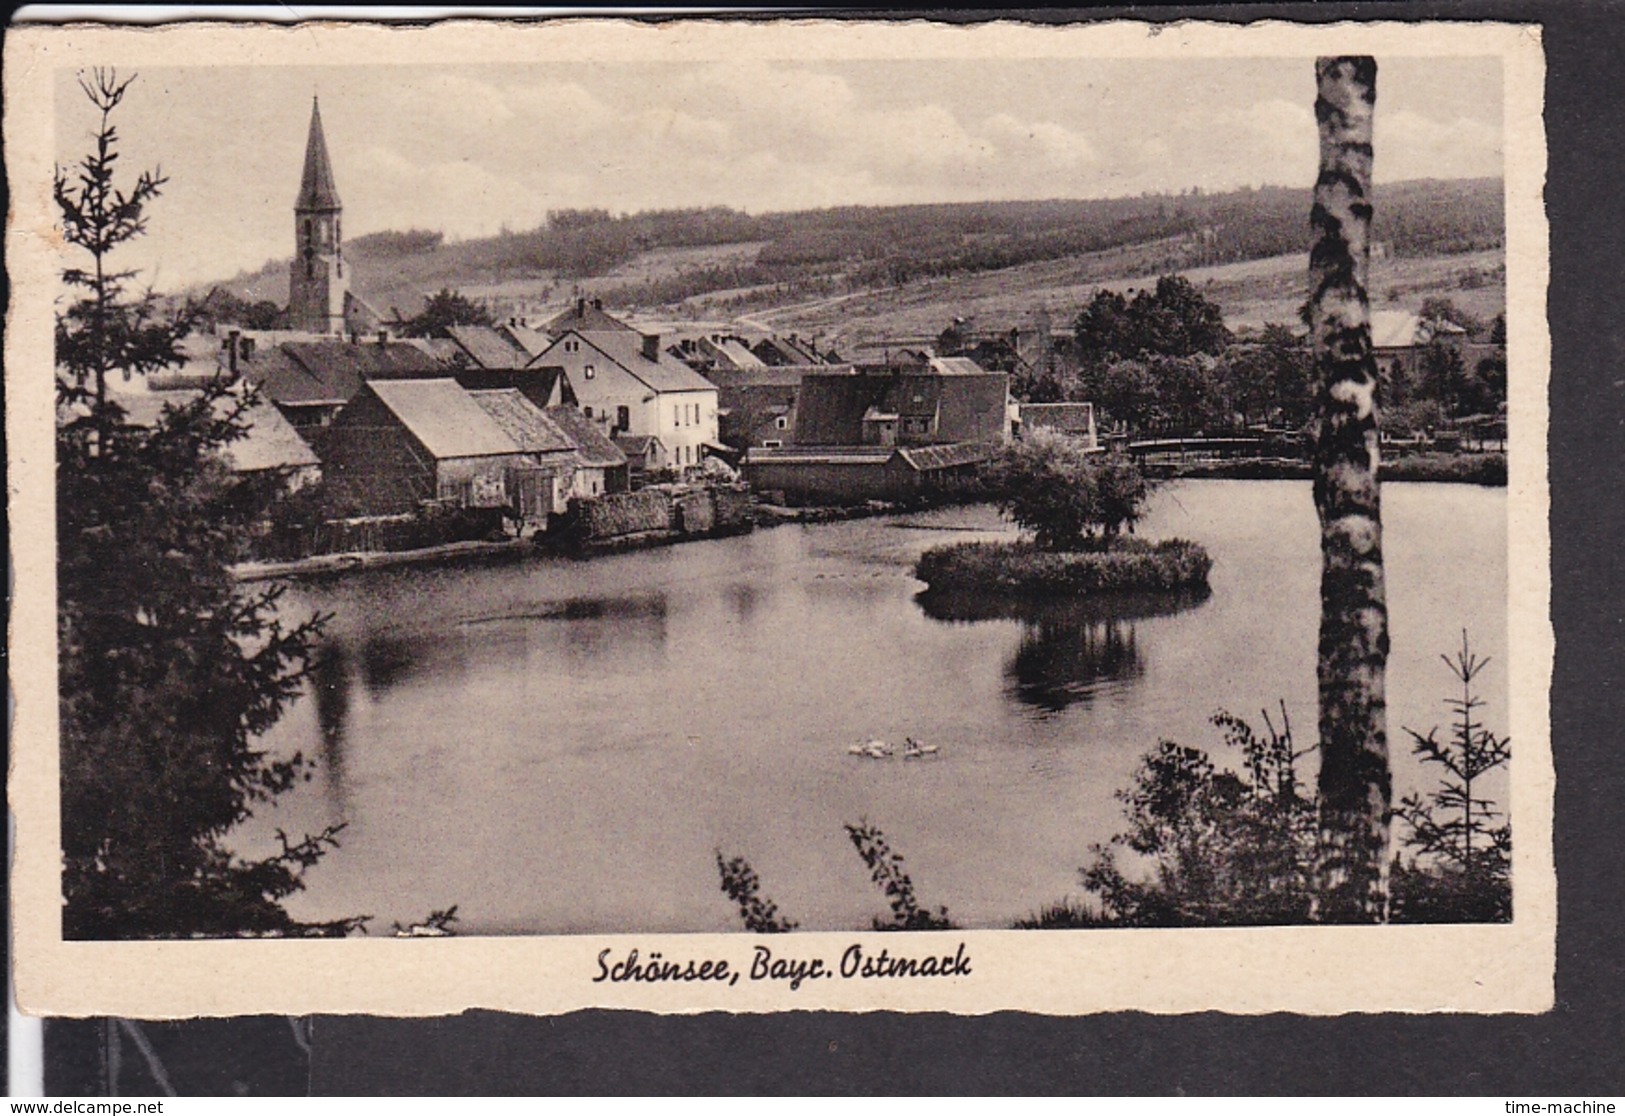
x,y
1462,870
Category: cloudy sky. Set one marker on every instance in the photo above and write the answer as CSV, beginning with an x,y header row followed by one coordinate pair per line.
x,y
470,149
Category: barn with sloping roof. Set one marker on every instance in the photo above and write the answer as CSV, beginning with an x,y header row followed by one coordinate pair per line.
x,y
400,444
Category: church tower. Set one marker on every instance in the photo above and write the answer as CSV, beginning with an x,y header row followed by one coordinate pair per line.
x,y
316,283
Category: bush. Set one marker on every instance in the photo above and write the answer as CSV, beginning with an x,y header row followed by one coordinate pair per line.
x,y
1123,565
1225,848
1489,469
1237,848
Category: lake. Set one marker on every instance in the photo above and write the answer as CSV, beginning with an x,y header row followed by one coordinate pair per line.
x,y
562,746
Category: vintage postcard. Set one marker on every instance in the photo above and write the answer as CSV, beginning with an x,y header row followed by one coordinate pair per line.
x,y
776,515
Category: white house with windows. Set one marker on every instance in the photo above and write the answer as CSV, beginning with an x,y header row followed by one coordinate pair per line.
x,y
624,381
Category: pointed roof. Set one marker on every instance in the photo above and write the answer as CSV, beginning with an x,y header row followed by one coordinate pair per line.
x,y
316,189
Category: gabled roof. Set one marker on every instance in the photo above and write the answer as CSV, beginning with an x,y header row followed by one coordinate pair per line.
x,y
957,366
734,349
532,341
782,350
444,418
1068,418
488,348
443,349
664,373
316,189
305,372
285,380
1394,329
592,444
586,317
271,442
523,421
637,445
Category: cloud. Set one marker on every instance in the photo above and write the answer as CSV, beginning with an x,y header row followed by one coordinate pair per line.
x,y
1408,144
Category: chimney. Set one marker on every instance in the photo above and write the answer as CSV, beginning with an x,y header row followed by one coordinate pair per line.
x,y
651,346
231,350
597,304
383,338
581,308
247,345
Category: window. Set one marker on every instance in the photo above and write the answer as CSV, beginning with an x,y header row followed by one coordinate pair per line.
x,y
589,372
587,411
623,417
675,419
781,423
772,443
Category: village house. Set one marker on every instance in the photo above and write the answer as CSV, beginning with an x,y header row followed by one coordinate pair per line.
x,y
600,467
643,453
788,350
269,446
311,380
623,380
899,430
756,407
1399,338
486,347
1075,420
855,474
716,352
922,400
487,357
585,316
520,334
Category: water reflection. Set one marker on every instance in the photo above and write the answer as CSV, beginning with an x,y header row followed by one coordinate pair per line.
x,y
389,661
1069,648
330,689
1059,664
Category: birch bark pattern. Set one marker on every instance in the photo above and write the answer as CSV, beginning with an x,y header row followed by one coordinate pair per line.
x,y
1355,783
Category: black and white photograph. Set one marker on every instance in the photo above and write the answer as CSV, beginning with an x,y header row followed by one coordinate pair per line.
x,y
616,514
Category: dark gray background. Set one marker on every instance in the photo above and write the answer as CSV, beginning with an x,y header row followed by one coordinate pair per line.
x,y
1575,1050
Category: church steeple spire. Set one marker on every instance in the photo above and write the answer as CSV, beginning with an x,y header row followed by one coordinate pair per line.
x,y
316,189
318,289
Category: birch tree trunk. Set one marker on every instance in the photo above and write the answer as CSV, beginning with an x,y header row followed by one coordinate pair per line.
x,y
1355,785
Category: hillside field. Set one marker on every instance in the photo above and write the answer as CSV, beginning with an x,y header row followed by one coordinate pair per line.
x,y
859,274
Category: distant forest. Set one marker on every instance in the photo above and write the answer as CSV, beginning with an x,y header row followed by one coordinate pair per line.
x,y
855,247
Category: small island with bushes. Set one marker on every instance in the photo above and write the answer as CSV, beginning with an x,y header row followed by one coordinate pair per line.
x,y
1076,504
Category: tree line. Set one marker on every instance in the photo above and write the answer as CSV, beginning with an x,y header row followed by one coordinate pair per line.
x,y
1161,361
